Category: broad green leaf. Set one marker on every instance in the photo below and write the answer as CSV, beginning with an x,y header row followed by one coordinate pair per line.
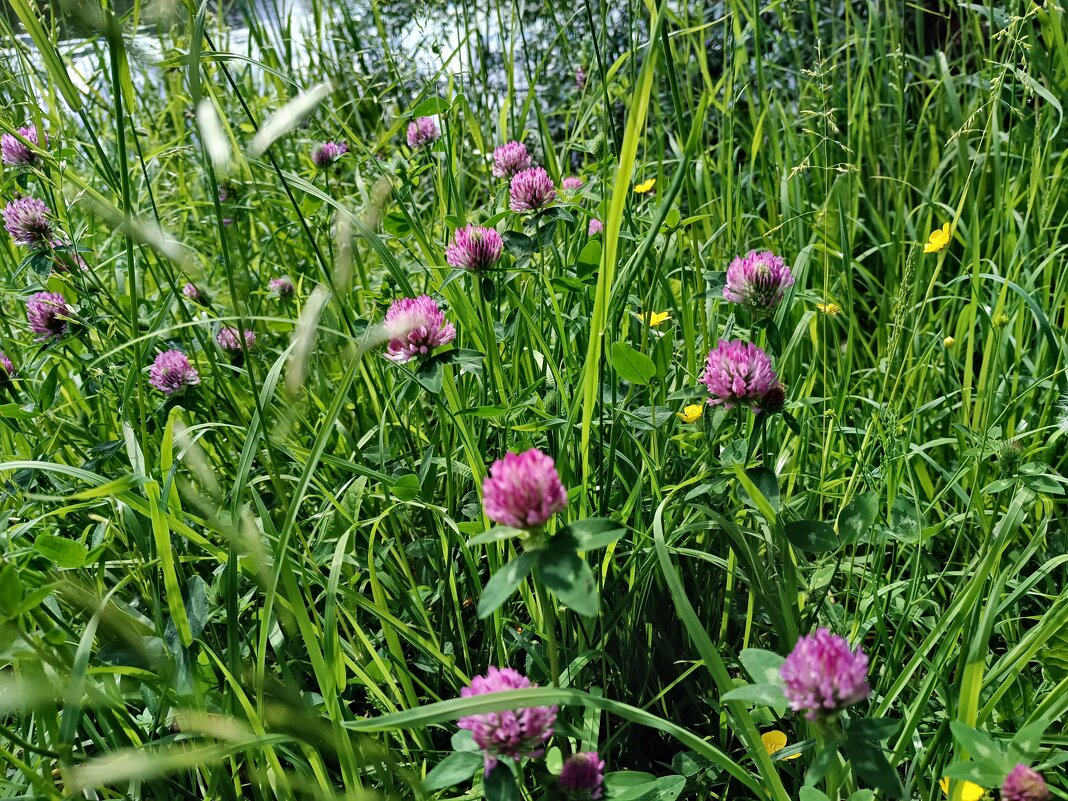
x,y
504,582
811,536
631,364
763,694
856,519
499,785
593,533
455,768
430,107
567,576
870,765
63,552
762,665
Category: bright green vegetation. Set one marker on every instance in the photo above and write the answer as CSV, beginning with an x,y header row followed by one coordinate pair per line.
x,y
263,587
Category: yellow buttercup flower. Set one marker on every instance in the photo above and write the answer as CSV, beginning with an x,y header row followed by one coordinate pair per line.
x,y
972,791
830,309
653,319
645,186
774,741
692,413
949,342
938,240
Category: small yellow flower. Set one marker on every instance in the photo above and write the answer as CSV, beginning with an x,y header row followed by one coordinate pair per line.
x,y
774,741
645,186
1000,320
972,791
830,309
653,319
938,240
692,413
949,342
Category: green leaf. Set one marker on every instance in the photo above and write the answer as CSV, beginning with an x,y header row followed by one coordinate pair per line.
x,y
873,730
762,665
980,745
495,534
870,764
982,773
593,533
62,552
567,576
504,582
761,694
430,375
499,785
430,107
518,244
856,519
406,487
811,536
632,365
767,483
812,794
824,760
10,590
453,769
1028,740
591,254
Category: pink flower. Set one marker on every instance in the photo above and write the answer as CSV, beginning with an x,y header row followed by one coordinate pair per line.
x,y
571,183
596,226
582,776
1024,784
171,372
46,313
7,369
281,287
190,291
757,280
327,153
823,674
738,372
580,78
416,326
515,734
228,341
422,132
26,219
16,153
531,190
523,490
474,248
510,158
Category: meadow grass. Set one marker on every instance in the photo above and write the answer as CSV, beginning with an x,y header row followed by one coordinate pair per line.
x,y
271,584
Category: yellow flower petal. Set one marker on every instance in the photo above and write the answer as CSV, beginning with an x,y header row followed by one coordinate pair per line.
x,y
645,186
774,741
692,413
653,319
971,792
938,240
830,309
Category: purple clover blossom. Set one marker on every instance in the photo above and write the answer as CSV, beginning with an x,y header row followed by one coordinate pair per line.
x,y
758,280
416,326
327,153
531,190
171,372
580,78
515,733
15,153
474,248
596,226
823,674
281,287
65,256
571,183
422,132
509,159
228,339
523,490
46,313
190,291
26,219
1024,784
582,776
738,372
7,369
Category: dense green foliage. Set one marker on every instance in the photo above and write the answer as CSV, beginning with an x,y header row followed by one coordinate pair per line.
x,y
267,586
